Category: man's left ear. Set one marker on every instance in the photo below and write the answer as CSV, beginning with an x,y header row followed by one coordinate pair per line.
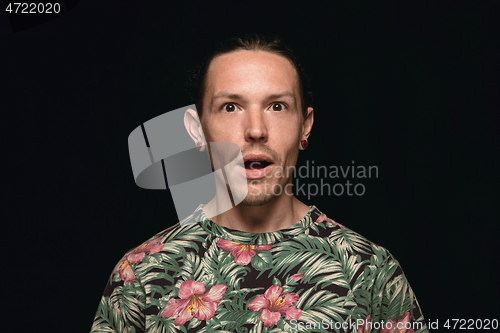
x,y
306,128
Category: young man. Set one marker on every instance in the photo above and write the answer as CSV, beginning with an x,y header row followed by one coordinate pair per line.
x,y
270,263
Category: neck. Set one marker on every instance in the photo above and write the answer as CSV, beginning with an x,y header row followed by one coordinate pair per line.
x,y
280,213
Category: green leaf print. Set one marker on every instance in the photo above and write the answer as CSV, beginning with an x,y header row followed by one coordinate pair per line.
x,y
350,240
262,260
301,251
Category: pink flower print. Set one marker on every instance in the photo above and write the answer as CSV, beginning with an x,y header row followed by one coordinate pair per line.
x,y
323,218
273,304
242,253
297,277
365,327
126,272
134,256
400,326
194,302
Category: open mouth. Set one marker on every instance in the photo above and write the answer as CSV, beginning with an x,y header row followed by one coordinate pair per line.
x,y
256,165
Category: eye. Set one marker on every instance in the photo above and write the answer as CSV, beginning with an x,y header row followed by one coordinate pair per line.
x,y
229,107
278,107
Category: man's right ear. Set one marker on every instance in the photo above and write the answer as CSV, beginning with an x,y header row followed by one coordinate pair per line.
x,y
194,129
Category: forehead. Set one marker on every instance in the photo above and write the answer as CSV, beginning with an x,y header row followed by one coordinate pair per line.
x,y
251,73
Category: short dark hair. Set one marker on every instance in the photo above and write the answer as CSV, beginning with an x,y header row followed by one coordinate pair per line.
x,y
249,42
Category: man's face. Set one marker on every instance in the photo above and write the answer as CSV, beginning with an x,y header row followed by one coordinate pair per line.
x,y
252,99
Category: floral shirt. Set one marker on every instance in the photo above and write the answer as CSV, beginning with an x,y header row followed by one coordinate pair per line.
x,y
315,276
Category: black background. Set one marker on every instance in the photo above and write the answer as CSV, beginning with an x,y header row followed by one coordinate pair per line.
x,y
412,88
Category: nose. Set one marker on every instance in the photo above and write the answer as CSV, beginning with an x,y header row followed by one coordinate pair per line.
x,y
256,129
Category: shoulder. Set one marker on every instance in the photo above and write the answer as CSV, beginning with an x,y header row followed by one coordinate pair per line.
x,y
361,259
160,250
186,229
346,241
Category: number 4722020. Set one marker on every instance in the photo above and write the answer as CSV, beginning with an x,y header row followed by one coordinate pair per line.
x,y
33,8
471,324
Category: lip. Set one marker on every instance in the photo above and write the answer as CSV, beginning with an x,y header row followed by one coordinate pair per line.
x,y
255,174
257,157
260,173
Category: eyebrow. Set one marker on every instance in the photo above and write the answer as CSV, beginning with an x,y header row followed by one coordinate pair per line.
x,y
239,97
